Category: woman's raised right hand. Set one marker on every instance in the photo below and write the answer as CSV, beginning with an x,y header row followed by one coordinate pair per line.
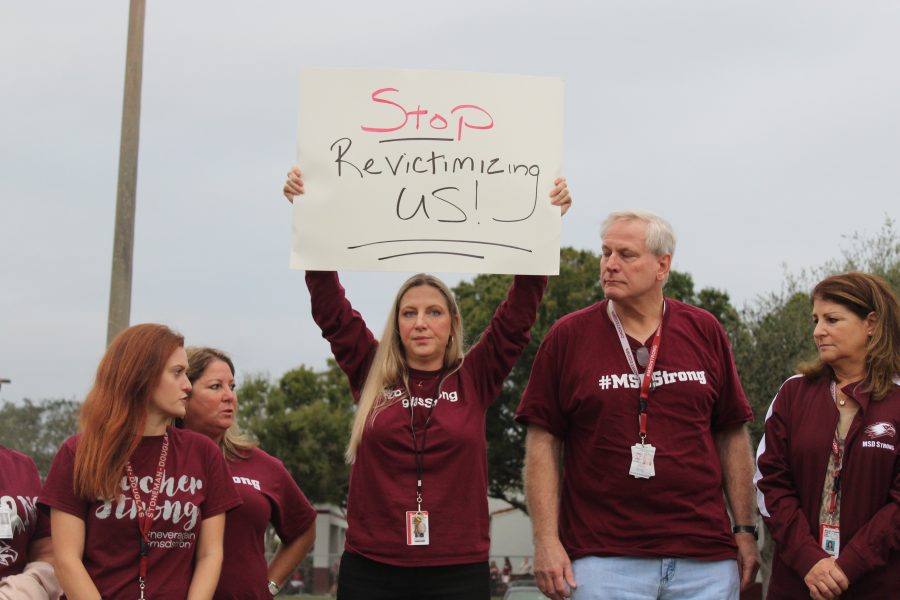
x,y
294,184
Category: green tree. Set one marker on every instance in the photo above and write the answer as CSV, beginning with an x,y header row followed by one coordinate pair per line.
x,y
680,286
305,421
878,254
577,286
779,338
39,428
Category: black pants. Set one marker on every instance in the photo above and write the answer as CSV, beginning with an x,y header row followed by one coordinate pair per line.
x,y
362,579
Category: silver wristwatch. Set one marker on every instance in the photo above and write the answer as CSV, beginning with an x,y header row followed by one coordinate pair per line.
x,y
274,588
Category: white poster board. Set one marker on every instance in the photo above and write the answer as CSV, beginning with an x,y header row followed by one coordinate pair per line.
x,y
428,171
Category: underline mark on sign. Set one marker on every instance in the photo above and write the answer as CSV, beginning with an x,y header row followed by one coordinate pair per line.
x,y
431,252
439,240
417,139
438,251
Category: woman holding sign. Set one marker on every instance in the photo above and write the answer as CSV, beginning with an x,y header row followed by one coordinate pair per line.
x,y
417,508
829,474
137,507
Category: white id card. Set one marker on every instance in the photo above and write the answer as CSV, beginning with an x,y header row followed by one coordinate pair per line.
x,y
642,461
417,528
6,532
830,539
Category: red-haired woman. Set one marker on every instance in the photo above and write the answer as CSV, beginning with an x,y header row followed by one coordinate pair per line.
x,y
137,507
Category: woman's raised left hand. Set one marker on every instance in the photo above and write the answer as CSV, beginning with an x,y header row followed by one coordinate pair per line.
x,y
560,196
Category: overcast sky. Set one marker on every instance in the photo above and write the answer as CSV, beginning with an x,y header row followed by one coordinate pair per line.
x,y
765,131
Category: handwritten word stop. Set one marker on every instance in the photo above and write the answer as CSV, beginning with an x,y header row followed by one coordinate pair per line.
x,y
467,116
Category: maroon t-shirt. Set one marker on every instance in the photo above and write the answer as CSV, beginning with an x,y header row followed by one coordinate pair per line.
x,y
383,478
583,392
20,484
195,486
269,495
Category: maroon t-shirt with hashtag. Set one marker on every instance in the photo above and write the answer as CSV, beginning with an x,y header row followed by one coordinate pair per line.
x,y
195,486
269,495
582,391
19,487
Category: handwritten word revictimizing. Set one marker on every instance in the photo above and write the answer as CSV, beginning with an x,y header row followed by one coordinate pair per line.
x,y
468,116
431,164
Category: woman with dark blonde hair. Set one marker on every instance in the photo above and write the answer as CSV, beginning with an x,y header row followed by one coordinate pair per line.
x,y
268,491
828,469
136,506
417,512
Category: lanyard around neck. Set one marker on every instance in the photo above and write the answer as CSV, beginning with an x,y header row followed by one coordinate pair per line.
x,y
145,517
419,450
838,454
647,376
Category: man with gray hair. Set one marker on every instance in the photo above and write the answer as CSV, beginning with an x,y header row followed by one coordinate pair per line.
x,y
636,424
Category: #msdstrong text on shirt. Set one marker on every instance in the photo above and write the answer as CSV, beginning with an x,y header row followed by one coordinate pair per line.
x,y
629,381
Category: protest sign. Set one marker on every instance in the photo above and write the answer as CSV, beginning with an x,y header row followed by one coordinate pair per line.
x,y
428,171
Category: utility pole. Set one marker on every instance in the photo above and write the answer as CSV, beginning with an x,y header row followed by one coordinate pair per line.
x,y
123,241
2,381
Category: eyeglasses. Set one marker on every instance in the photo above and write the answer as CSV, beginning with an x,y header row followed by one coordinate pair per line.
x,y
642,355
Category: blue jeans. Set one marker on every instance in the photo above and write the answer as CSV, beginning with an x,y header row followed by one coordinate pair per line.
x,y
628,578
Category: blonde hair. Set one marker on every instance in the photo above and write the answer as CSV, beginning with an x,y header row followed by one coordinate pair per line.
x,y
389,365
234,444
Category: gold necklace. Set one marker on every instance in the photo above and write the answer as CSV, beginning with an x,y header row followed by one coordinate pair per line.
x,y
835,393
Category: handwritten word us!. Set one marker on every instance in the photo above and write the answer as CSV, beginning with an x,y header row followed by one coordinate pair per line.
x,y
463,116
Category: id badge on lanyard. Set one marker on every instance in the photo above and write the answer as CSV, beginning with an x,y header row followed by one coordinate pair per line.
x,y
6,532
830,539
642,461
417,528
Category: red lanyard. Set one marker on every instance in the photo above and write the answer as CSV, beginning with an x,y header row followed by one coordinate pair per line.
x,y
647,377
838,459
645,383
145,517
838,464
